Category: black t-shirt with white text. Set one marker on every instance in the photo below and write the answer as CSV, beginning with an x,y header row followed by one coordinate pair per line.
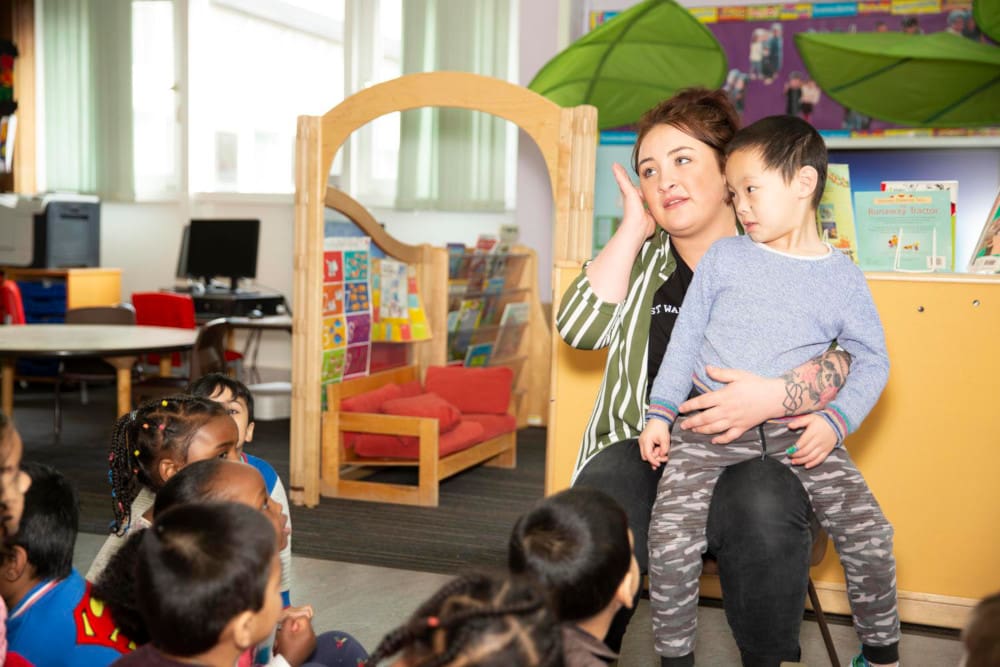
x,y
664,311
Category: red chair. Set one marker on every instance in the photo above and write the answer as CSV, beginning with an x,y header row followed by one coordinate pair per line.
x,y
169,309
11,306
164,309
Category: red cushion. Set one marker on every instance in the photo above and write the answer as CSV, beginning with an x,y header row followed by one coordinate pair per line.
x,y
463,436
370,401
425,405
493,425
472,390
411,388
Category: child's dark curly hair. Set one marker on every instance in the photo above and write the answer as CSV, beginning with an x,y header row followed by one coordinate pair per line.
x,y
479,620
140,439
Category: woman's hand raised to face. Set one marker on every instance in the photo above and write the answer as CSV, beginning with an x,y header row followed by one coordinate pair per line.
x,y
635,216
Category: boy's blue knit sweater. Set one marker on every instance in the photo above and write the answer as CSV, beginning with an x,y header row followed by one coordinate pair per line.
x,y
766,312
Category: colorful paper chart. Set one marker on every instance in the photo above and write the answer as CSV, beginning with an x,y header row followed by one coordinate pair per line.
x,y
397,312
347,309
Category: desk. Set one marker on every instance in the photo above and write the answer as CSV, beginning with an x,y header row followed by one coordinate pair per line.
x,y
119,345
257,326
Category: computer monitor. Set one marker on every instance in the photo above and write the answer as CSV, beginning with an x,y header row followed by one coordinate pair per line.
x,y
221,248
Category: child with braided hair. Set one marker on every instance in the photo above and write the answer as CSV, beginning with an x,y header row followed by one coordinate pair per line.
x,y
148,446
478,620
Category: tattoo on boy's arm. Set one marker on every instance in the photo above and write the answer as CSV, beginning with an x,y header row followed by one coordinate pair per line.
x,y
815,383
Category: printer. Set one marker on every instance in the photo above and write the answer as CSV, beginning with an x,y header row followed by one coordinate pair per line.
x,y
50,231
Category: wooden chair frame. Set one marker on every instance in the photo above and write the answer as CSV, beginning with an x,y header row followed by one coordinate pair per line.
x,y
500,451
566,138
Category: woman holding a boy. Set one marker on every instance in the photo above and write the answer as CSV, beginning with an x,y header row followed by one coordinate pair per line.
x,y
626,300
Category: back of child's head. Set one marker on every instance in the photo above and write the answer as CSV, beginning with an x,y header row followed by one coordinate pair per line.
x,y
211,384
142,438
981,635
478,620
576,543
49,523
785,144
193,484
200,566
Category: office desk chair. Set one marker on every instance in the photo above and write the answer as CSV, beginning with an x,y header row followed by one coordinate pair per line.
x,y
208,356
11,305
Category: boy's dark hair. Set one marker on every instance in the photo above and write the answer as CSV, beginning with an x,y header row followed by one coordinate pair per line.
x,y
207,385
981,636
785,144
576,543
479,620
154,430
49,523
115,587
200,566
707,115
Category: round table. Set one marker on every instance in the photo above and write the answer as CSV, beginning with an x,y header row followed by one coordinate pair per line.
x,y
119,345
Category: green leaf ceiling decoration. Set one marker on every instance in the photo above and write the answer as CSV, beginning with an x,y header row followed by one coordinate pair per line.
x,y
987,16
937,80
628,64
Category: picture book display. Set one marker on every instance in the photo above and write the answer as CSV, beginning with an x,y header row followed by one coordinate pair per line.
x,y
835,214
347,309
986,256
915,186
904,231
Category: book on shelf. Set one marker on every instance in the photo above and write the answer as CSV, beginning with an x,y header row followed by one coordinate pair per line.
x,y
916,186
986,256
456,253
479,355
485,243
516,312
904,231
8,133
835,214
508,341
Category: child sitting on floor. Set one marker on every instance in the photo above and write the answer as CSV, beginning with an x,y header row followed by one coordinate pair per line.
x,y
54,619
208,579
14,483
148,446
478,620
577,543
237,399
216,480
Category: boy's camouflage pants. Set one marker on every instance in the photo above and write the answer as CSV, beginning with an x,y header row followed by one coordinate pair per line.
x,y
842,501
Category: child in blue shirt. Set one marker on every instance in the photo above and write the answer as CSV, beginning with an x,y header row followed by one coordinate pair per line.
x,y
238,401
765,302
54,620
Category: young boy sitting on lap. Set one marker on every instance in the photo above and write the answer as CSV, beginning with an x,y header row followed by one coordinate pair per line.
x,y
577,543
208,581
764,302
